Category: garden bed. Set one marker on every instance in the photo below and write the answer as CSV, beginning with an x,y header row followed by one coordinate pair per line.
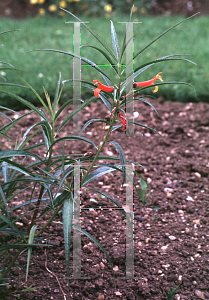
x,y
171,237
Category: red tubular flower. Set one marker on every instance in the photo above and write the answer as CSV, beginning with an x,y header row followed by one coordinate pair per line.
x,y
96,92
103,87
149,82
123,120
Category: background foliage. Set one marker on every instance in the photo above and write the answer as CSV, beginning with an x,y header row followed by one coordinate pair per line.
x,y
42,68
91,7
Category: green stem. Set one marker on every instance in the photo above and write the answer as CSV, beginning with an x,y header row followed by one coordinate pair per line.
x,y
49,221
100,149
42,188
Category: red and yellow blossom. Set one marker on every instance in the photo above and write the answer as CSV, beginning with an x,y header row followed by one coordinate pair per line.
x,y
102,87
149,82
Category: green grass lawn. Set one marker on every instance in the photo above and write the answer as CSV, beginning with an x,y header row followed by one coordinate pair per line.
x,y
42,68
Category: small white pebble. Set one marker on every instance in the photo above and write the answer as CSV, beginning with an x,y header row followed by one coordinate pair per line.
x,y
172,237
189,198
198,174
166,266
164,247
168,190
136,114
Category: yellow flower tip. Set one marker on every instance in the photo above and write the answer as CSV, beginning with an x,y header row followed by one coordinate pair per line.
x,y
63,4
52,8
108,8
155,90
143,10
41,11
33,2
159,77
41,2
134,9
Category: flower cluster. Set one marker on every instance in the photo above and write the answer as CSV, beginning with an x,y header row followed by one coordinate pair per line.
x,y
110,89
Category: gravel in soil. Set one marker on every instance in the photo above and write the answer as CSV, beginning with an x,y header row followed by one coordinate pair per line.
x,y
171,233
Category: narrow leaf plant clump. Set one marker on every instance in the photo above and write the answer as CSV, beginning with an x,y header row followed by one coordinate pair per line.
x,y
21,169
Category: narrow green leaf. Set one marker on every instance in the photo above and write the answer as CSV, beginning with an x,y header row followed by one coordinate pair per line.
x,y
1,113
108,197
47,133
74,112
73,137
34,146
6,63
105,101
142,192
89,62
97,173
140,99
38,96
30,241
19,169
5,171
40,180
63,179
67,227
115,42
96,35
90,122
165,58
105,55
57,95
12,84
142,125
97,243
159,36
126,43
25,102
62,108
12,153
114,201
9,31
122,158
23,143
57,202
44,124
4,200
5,128
28,203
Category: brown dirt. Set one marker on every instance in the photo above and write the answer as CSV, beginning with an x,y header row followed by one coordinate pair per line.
x,y
171,237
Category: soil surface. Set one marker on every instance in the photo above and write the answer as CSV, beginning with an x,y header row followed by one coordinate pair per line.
x,y
171,230
22,8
